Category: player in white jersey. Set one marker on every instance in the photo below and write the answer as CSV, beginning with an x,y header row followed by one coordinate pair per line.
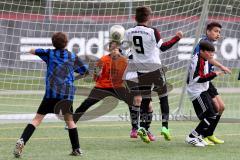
x,y
131,81
145,44
197,86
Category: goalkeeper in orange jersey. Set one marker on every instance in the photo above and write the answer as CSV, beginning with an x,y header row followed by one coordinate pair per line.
x,y
108,81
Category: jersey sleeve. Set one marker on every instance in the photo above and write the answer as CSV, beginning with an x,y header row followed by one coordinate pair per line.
x,y
163,46
43,54
202,77
158,39
80,67
97,69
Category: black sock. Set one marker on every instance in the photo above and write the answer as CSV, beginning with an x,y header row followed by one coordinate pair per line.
x,y
27,133
144,112
134,115
142,118
205,125
165,110
148,120
213,126
73,135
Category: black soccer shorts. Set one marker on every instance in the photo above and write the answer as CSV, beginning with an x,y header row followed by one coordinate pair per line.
x,y
52,105
157,79
212,90
203,106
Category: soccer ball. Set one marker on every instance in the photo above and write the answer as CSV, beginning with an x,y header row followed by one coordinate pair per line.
x,y
117,33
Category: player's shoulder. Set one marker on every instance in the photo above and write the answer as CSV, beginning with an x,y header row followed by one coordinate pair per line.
x,y
123,58
105,58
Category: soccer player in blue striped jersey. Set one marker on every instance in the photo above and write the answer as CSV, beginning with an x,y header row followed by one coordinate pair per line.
x,y
213,33
60,90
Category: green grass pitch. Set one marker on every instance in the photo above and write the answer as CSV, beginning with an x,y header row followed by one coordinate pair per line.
x,y
110,140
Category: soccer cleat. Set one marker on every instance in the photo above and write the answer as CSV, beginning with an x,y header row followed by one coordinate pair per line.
x,y
207,142
194,141
151,136
165,132
76,152
143,134
215,140
133,133
18,148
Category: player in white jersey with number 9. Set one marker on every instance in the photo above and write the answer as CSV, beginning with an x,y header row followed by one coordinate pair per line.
x,y
145,43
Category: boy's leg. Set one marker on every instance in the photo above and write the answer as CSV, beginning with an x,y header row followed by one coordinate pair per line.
x,y
46,106
135,115
95,96
73,135
133,99
148,121
26,135
162,90
205,112
219,106
87,103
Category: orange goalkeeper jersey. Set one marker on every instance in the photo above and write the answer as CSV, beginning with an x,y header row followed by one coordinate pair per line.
x,y
112,70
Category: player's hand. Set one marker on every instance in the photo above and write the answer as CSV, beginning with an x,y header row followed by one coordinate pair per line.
x,y
179,34
225,69
219,73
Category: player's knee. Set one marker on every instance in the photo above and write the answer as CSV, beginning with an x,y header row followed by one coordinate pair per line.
x,y
36,121
221,108
70,124
137,100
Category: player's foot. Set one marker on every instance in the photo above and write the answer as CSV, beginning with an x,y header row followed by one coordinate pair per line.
x,y
18,148
165,132
76,152
215,140
195,141
207,142
151,136
143,134
133,133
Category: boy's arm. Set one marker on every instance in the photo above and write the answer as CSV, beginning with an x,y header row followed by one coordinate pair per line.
x,y
97,70
42,53
209,76
167,45
32,51
80,68
219,65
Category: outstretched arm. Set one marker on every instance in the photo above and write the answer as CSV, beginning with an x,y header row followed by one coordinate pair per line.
x,y
219,65
32,51
167,45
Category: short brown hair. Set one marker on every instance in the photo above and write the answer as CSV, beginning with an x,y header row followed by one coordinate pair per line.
x,y
59,40
211,25
143,14
206,46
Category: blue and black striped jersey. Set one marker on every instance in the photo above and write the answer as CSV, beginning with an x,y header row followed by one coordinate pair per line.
x,y
61,65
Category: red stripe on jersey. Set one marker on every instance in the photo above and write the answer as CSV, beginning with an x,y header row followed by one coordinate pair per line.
x,y
204,77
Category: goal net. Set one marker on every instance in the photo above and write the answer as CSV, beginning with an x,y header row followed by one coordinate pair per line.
x,y
26,24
